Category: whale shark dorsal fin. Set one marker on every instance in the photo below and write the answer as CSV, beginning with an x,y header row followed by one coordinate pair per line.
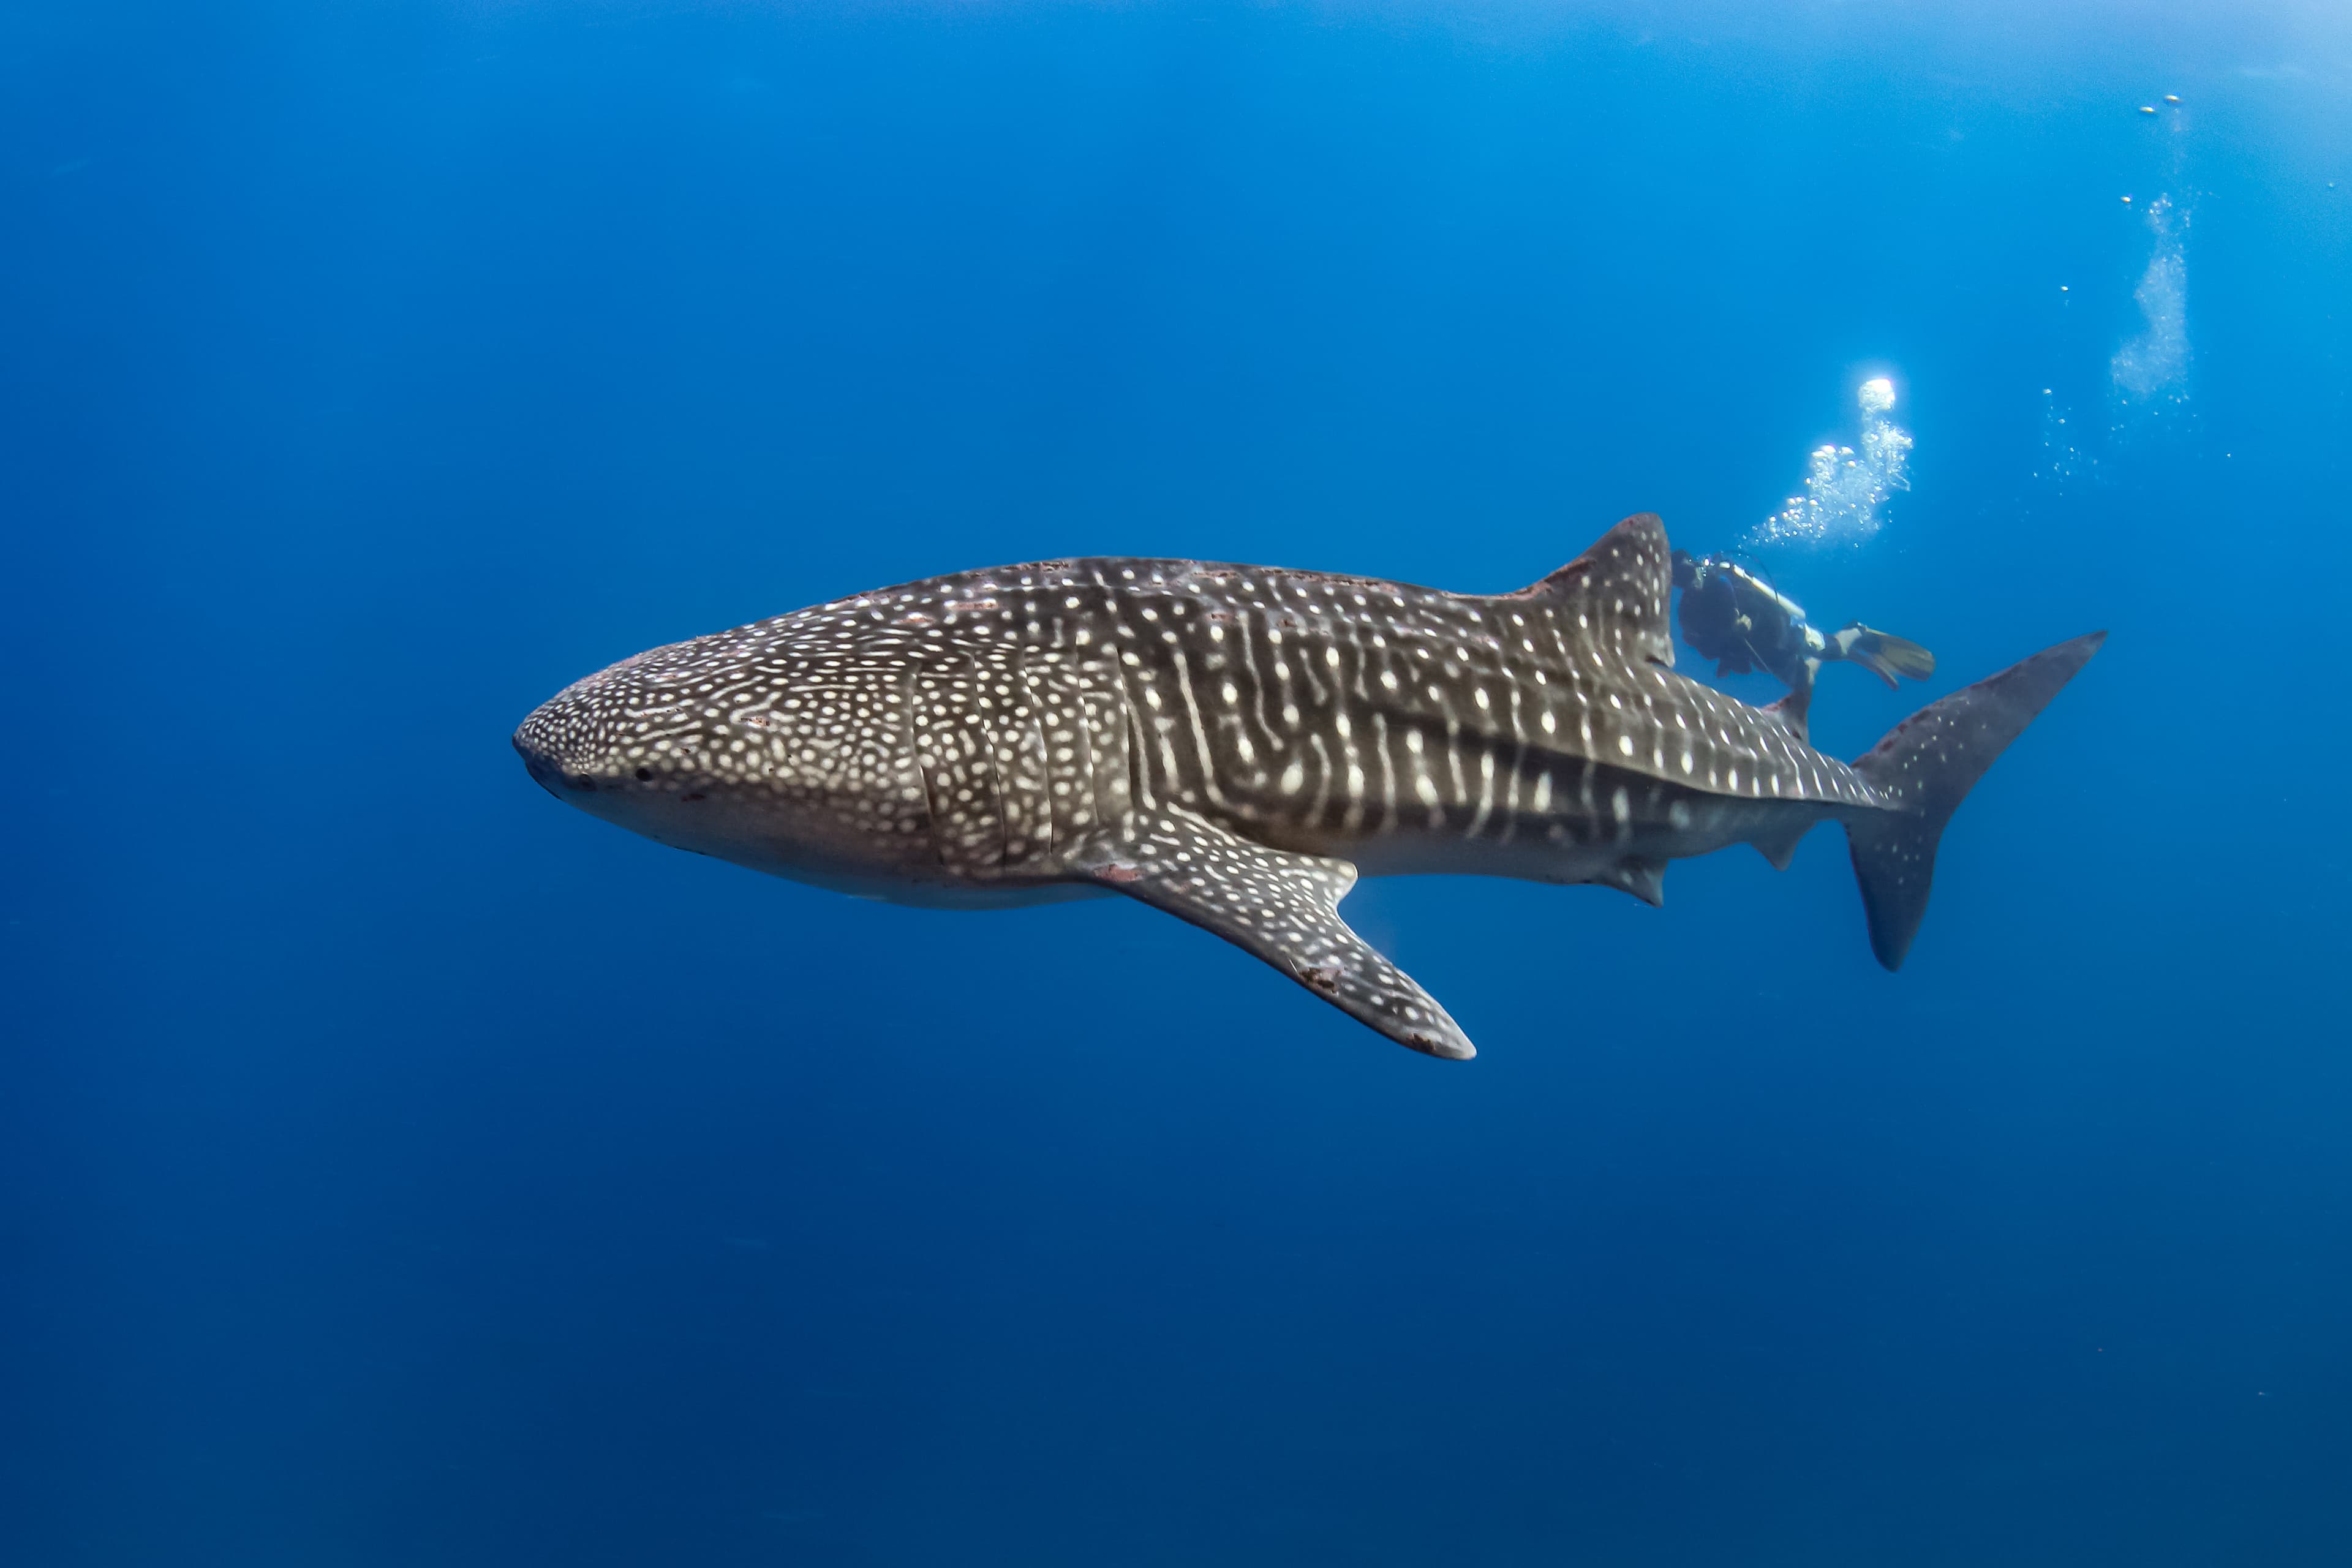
x,y
1277,905
1791,711
1619,588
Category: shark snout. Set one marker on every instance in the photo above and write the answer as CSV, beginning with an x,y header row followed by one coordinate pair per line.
x,y
543,758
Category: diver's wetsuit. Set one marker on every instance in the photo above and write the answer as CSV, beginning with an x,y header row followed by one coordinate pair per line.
x,y
1744,623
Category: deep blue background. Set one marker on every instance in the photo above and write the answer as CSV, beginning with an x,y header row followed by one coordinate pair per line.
x,y
396,1168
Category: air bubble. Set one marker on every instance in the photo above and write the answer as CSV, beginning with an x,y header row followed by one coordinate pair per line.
x,y
1845,487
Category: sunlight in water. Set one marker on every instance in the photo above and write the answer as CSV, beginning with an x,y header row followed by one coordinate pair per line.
x,y
1846,485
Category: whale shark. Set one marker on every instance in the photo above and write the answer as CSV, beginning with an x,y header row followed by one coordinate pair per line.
x,y
1235,745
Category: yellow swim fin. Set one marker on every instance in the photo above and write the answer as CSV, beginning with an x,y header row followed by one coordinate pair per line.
x,y
1884,654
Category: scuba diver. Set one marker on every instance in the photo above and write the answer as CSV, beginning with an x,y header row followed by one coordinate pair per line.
x,y
1736,618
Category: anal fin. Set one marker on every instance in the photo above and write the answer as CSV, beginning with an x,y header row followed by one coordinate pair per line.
x,y
1279,906
1640,876
1778,844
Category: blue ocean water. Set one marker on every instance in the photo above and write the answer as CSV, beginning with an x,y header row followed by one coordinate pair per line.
x,y
397,1168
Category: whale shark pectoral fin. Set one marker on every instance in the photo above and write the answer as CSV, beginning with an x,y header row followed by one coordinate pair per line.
x,y
1281,907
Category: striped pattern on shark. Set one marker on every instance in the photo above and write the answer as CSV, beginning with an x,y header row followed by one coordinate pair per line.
x,y
1236,745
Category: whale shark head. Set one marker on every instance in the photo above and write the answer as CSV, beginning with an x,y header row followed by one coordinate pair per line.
x,y
731,747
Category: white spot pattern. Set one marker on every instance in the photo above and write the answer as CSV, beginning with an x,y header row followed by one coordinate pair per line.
x,y
1025,726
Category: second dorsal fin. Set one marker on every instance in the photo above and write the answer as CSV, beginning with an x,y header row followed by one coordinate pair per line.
x,y
1619,590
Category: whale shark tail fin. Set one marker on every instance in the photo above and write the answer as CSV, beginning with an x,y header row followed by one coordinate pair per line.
x,y
1925,766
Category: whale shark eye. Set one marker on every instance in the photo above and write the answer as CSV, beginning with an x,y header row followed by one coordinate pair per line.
x,y
644,774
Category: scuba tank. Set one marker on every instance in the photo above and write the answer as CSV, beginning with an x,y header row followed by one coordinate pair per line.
x,y
1734,617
